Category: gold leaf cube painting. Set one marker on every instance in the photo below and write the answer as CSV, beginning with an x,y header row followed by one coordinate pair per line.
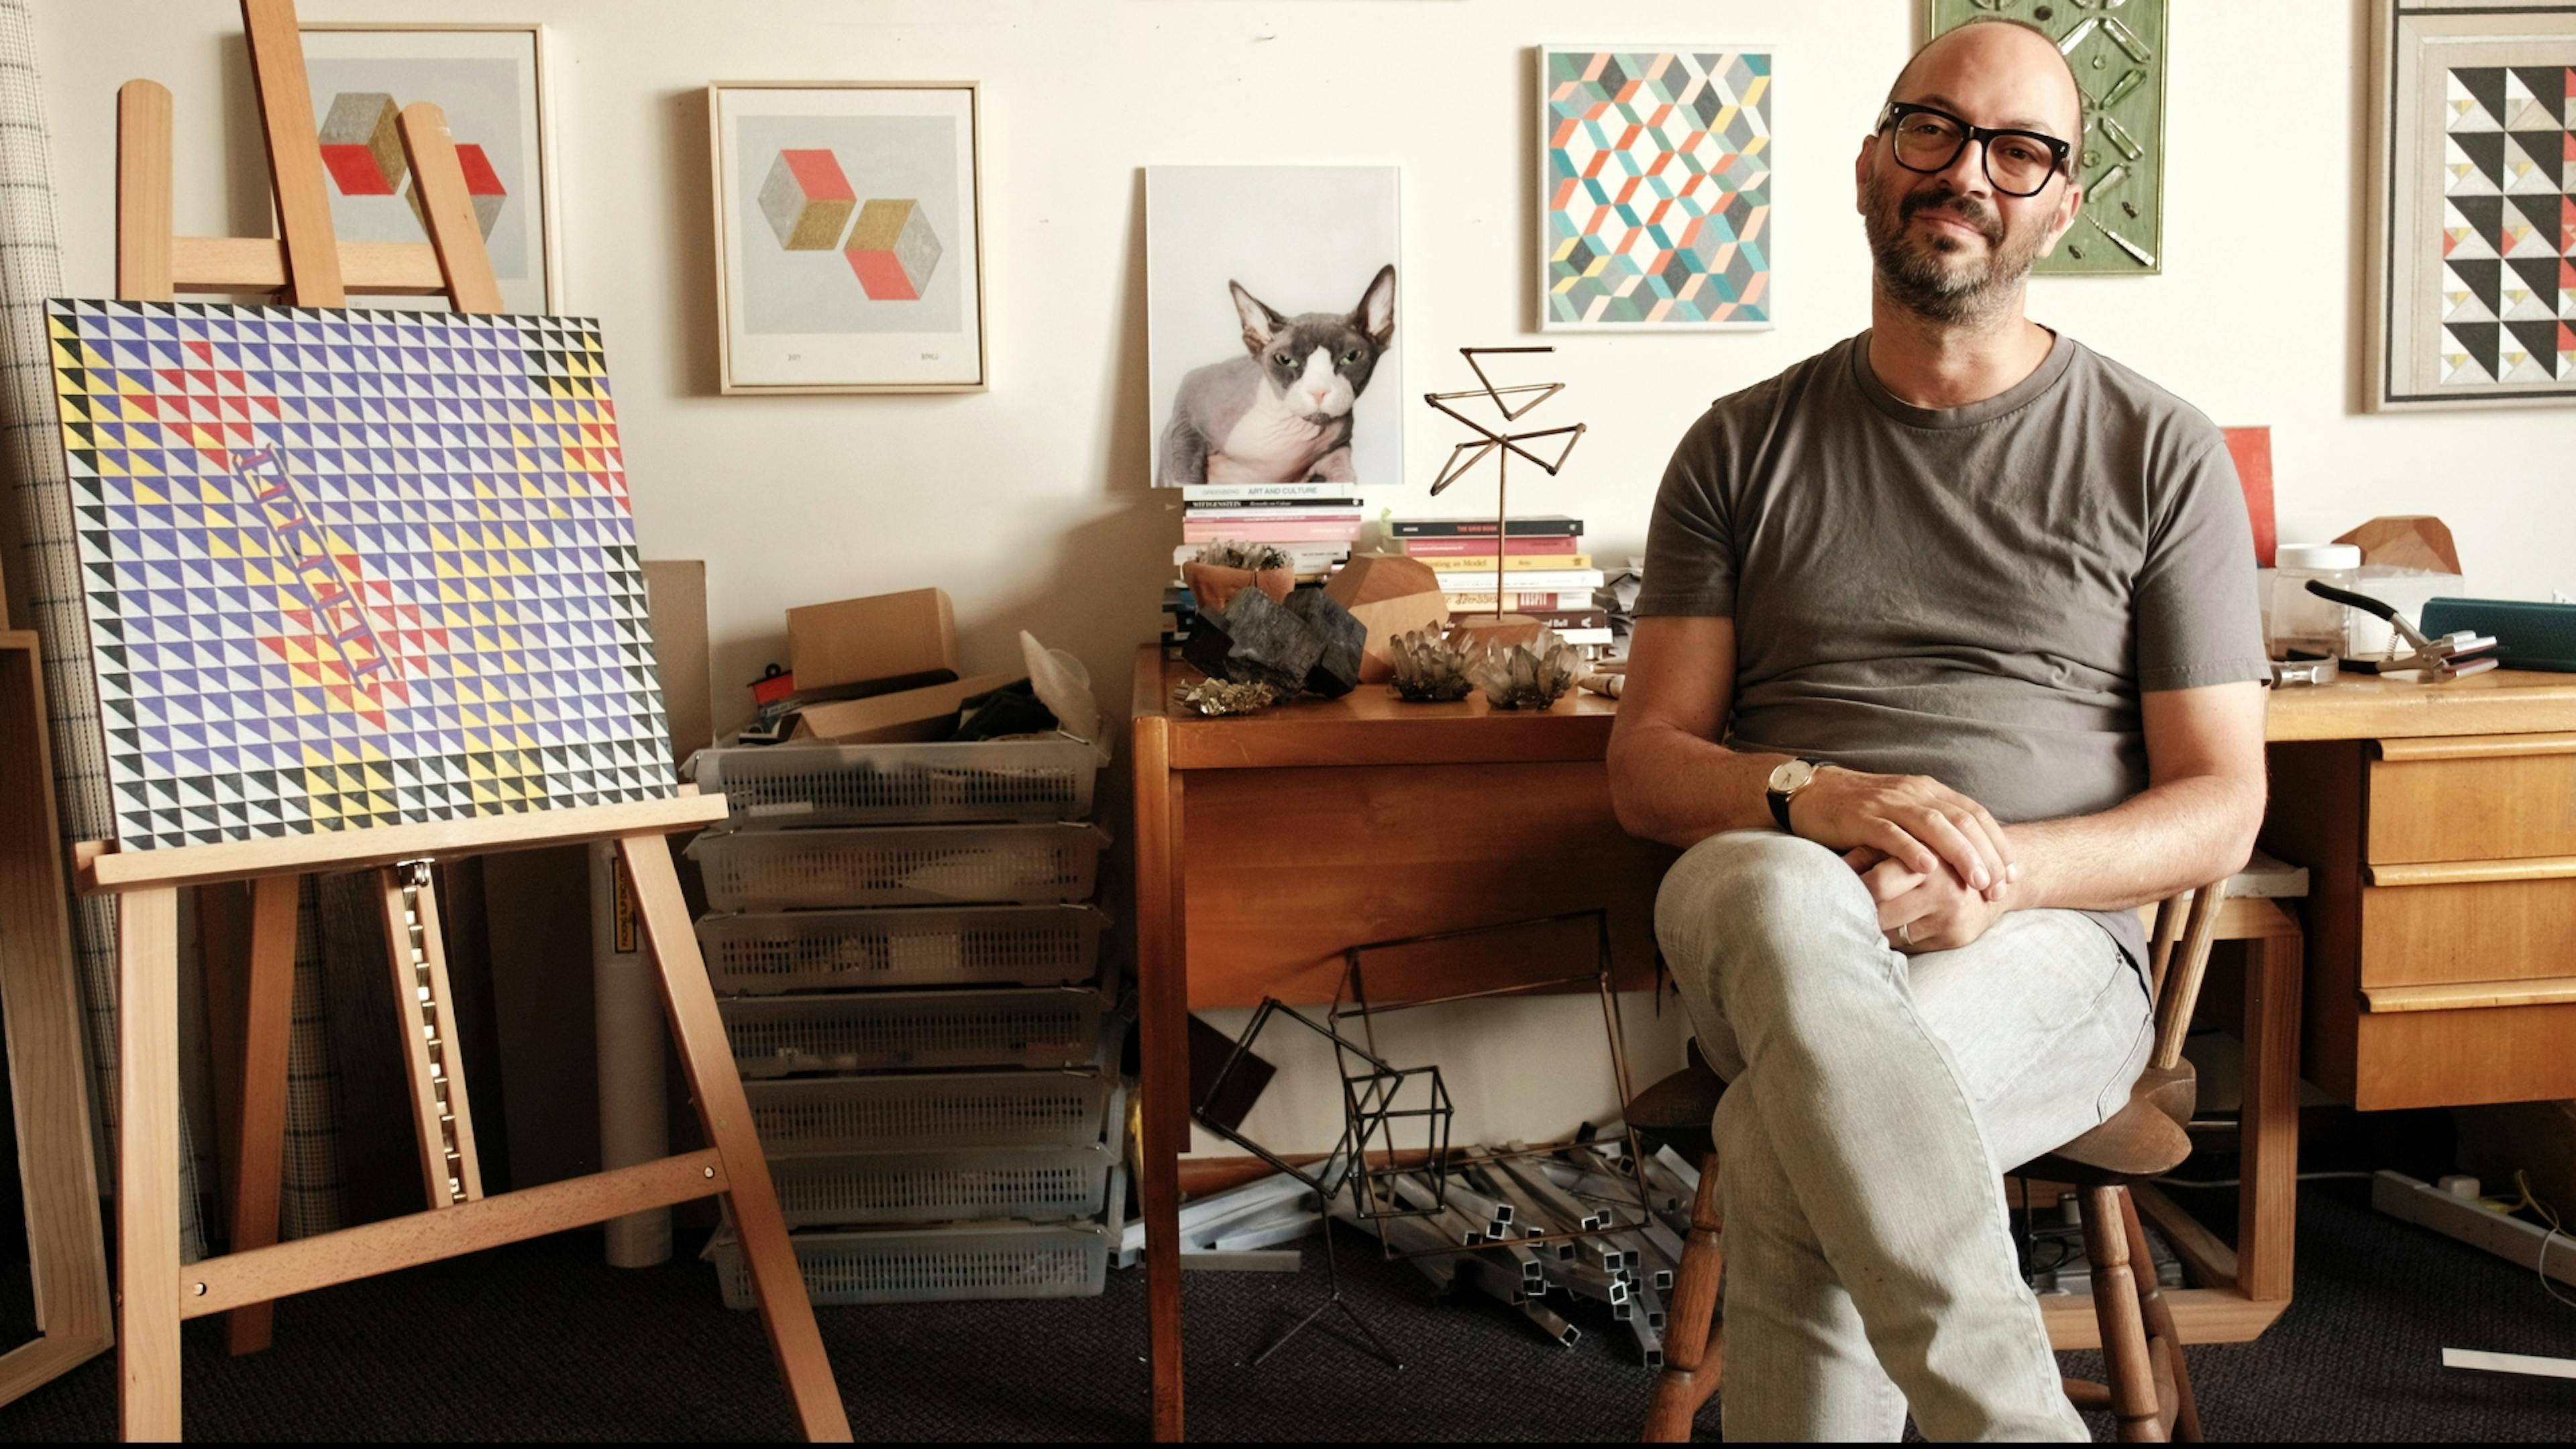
x,y
353,568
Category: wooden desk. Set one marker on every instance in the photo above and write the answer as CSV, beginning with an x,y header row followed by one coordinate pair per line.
x,y
2438,825
1266,844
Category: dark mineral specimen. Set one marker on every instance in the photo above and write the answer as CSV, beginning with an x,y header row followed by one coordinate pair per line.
x,y
1344,640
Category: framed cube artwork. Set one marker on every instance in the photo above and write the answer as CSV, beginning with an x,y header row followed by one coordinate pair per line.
x,y
1654,188
2472,231
849,254
491,82
349,568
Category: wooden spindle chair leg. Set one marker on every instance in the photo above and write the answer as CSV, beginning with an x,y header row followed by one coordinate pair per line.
x,y
1694,1341
2181,1416
2115,1308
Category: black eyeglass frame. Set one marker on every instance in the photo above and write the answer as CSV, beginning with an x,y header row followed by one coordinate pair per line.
x,y
1984,136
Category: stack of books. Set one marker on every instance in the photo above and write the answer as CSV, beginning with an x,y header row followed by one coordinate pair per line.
x,y
1545,574
1315,523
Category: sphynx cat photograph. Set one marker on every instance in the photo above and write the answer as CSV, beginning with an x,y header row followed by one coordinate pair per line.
x,y
1281,413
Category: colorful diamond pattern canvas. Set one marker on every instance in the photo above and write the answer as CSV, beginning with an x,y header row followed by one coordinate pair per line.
x,y
353,568
1657,171
2508,275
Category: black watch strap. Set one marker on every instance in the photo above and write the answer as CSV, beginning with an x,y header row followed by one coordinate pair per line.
x,y
1780,809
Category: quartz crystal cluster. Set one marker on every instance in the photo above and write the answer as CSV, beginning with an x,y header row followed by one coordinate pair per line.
x,y
1533,675
1428,667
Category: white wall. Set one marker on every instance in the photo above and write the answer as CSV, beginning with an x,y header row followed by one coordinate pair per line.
x,y
1026,503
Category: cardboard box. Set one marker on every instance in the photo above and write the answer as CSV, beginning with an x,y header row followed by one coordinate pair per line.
x,y
910,714
675,599
911,636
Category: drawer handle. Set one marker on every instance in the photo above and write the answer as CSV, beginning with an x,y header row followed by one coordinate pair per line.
x,y
2477,747
2460,996
2472,872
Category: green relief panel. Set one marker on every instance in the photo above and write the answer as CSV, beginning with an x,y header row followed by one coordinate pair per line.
x,y
2118,50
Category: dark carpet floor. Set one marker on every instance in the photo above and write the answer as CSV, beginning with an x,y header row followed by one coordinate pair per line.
x,y
542,1341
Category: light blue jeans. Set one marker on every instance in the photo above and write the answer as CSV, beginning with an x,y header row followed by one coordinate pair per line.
x,y
1874,1101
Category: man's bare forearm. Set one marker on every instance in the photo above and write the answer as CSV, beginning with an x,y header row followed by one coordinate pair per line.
x,y
2176,835
1675,787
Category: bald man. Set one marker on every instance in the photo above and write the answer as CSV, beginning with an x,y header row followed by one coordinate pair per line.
x,y
1947,660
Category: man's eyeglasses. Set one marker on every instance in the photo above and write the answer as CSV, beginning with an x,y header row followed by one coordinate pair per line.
x,y
2019,163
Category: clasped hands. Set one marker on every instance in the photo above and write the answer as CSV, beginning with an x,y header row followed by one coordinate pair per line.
x,y
1939,865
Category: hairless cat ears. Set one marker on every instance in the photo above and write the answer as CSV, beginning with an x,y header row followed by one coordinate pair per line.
x,y
1375,315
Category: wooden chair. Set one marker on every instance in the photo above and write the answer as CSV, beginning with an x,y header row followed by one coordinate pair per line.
x,y
2149,1390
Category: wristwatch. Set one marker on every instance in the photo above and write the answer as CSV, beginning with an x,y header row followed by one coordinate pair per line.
x,y
1788,779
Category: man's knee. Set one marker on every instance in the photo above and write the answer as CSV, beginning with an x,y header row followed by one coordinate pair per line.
x,y
1755,894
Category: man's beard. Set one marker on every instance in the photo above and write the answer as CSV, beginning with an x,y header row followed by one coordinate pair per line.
x,y
1935,284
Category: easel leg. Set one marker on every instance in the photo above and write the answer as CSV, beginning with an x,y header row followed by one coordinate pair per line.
x,y
147,1163
726,1115
259,1146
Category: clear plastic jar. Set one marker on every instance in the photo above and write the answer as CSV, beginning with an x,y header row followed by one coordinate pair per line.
x,y
2303,625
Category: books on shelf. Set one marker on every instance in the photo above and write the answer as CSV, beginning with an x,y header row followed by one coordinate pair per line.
x,y
1238,492
1520,602
1213,507
1306,531
1547,525
1454,582
1465,547
1304,558
1513,563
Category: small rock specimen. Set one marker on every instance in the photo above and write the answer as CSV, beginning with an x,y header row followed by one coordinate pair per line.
x,y
1345,640
1254,642
1536,674
1427,667
1223,696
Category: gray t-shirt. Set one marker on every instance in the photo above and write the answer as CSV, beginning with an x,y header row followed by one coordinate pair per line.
x,y
1976,594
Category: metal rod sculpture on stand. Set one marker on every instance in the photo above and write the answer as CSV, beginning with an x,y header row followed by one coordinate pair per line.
x,y
1464,456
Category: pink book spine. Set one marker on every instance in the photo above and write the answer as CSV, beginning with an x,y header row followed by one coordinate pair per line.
x,y
1272,533
1484,547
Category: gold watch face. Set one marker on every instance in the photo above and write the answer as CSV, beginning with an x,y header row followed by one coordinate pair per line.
x,y
1791,775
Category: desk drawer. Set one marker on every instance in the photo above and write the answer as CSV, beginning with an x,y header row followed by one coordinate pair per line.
x,y
2472,797
2424,925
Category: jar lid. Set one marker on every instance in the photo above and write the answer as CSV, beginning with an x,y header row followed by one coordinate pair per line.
x,y
2317,556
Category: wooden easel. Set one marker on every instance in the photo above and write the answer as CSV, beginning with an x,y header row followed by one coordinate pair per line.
x,y
48,1076
154,1292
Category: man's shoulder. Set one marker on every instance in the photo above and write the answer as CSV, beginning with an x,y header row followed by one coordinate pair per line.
x,y
2121,391
1756,409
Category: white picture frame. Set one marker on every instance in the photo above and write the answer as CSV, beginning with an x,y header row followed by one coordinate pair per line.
x,y
1210,228
900,277
2445,237
493,84
1590,282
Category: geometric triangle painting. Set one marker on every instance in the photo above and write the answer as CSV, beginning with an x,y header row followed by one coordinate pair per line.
x,y
1655,175
353,568
2474,231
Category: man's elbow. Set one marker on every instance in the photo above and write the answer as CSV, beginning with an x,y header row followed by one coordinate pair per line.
x,y
1631,801
2244,826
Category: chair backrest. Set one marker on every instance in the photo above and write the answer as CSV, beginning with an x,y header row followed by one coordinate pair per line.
x,y
2186,923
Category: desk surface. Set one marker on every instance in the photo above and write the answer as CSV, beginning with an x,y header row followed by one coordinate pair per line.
x,y
1371,726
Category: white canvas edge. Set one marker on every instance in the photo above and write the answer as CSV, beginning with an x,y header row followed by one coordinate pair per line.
x,y
549,249
1403,290
1538,218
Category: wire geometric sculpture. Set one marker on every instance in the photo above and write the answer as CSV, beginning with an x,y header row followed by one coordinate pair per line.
x,y
1466,455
